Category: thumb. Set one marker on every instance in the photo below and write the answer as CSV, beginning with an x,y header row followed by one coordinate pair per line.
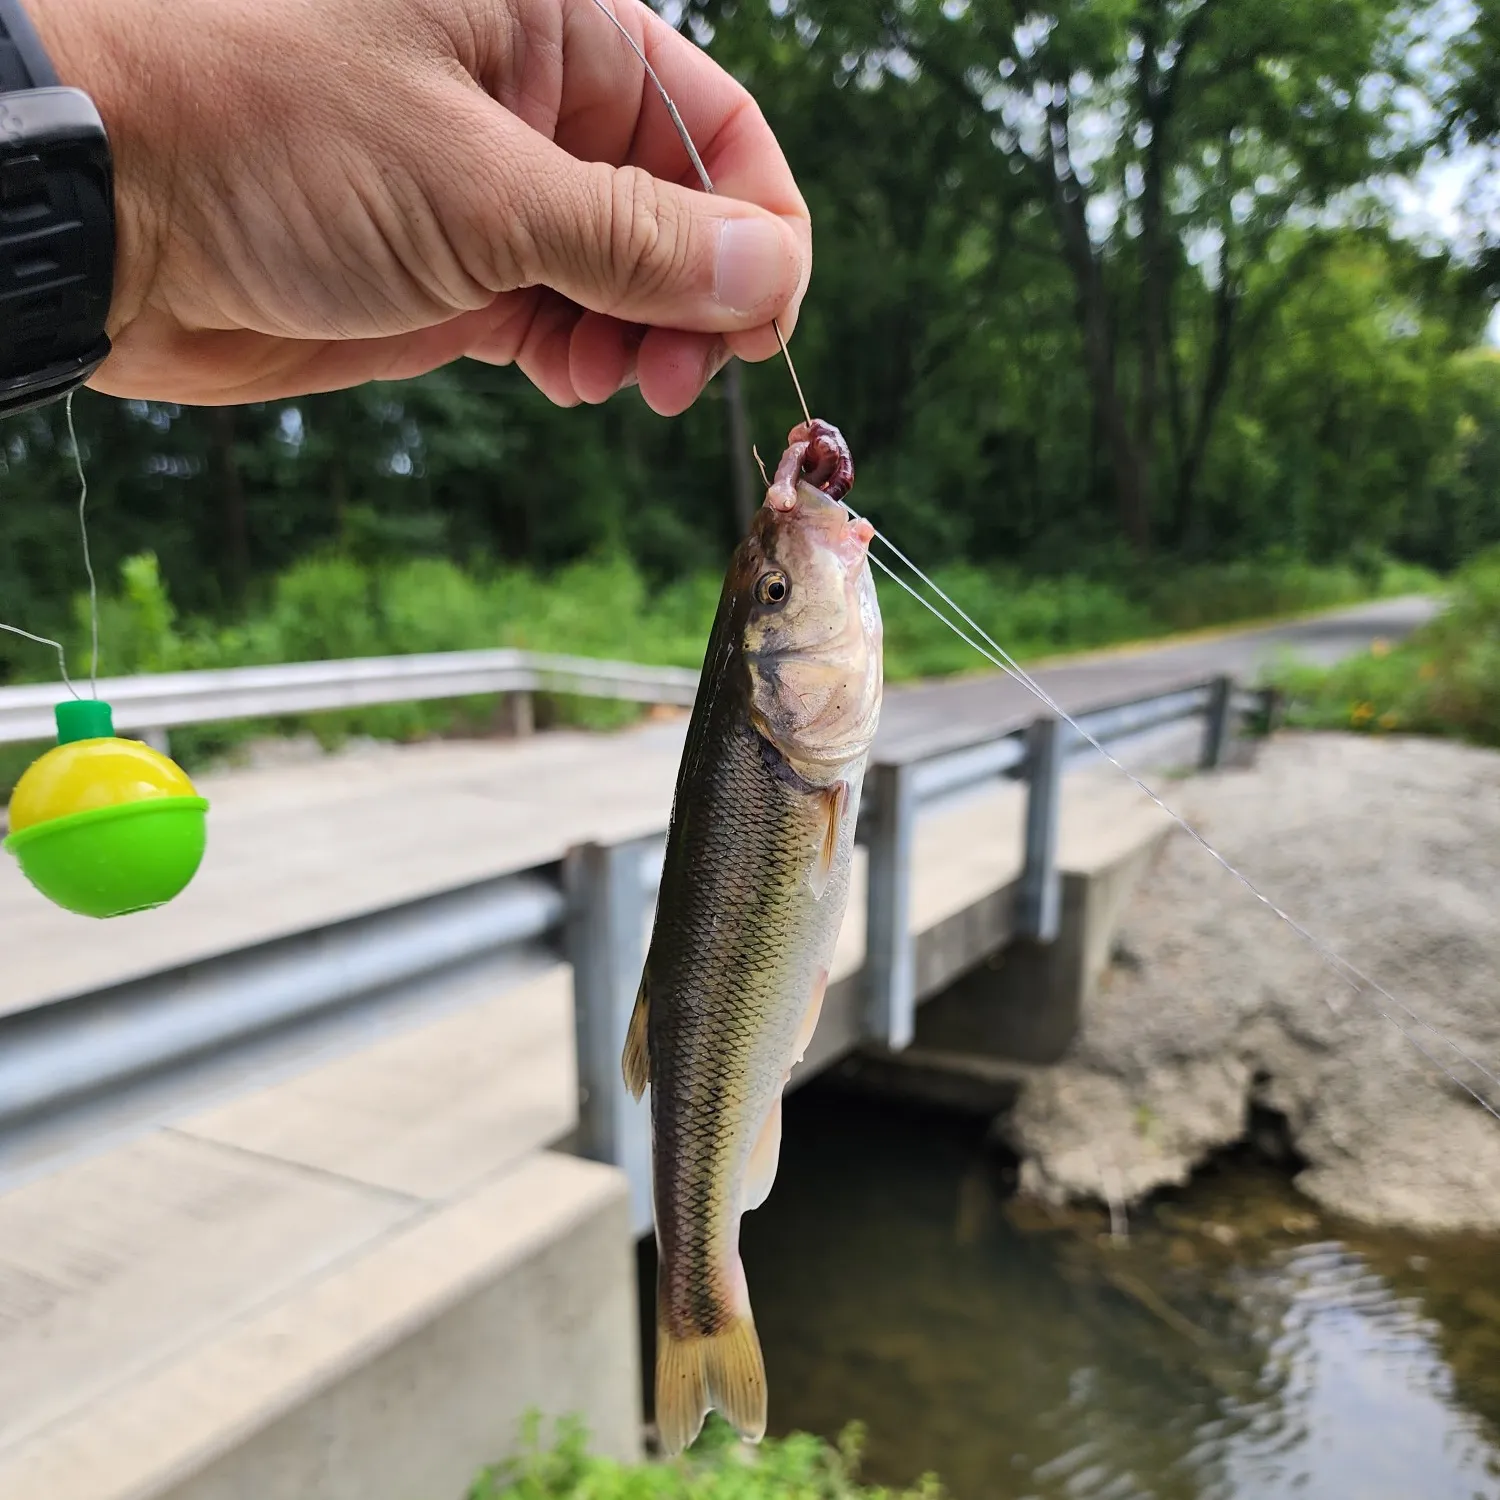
x,y
619,241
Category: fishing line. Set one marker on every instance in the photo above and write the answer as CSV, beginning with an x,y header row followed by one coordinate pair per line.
x,y
700,169
88,561
1358,981
88,564
46,640
1351,975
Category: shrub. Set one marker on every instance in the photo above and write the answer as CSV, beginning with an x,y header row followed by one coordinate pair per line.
x,y
799,1467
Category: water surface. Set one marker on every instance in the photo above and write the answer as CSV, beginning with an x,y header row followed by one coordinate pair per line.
x,y
1237,1346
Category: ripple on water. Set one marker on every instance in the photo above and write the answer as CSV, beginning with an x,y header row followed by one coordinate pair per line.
x,y
1026,1362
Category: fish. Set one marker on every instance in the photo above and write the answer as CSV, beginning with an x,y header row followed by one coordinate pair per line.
x,y
753,893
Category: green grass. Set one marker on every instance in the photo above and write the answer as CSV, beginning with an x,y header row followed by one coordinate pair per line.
x,y
334,606
1443,680
794,1468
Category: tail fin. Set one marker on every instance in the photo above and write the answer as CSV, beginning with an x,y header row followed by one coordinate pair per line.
x,y
723,1373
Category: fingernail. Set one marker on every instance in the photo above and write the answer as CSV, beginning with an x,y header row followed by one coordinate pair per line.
x,y
752,265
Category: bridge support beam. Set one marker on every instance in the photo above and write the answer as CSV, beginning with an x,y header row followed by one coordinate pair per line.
x,y
1026,1003
1039,899
890,983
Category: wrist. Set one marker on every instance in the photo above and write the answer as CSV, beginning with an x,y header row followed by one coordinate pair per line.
x,y
87,43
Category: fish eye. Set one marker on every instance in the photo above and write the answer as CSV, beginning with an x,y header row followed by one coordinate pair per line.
x,y
772,587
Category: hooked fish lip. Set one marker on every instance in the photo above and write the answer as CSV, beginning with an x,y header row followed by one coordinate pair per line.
x,y
849,535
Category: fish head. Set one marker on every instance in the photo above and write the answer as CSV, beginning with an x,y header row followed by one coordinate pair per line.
x,y
812,636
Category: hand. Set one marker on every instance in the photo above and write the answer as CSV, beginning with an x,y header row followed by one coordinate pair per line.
x,y
315,193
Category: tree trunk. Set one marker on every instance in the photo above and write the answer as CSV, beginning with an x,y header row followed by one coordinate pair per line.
x,y
236,528
1154,106
1215,386
1132,496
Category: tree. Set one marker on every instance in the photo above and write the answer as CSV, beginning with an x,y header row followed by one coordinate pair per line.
x,y
1170,143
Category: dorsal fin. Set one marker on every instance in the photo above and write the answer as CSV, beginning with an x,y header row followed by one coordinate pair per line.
x,y
636,1062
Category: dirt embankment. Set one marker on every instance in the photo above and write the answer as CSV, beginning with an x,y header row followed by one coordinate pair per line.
x,y
1389,851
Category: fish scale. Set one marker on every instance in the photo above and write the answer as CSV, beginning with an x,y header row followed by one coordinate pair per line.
x,y
741,951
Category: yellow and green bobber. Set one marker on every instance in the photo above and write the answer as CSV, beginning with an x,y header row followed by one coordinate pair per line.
x,y
103,826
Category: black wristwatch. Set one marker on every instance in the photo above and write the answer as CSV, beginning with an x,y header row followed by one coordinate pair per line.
x,y
57,225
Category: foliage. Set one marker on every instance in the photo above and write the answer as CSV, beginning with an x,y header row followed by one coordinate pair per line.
x,y
1443,680
717,1468
1092,277
331,606
1158,157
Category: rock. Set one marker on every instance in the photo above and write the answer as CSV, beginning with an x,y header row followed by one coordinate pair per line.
x,y
1389,851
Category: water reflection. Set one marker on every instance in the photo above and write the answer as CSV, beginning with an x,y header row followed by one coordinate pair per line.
x,y
1235,1348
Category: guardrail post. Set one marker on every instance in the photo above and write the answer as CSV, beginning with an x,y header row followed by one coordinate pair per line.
x,y
158,739
518,714
607,901
1273,709
1039,898
1216,722
890,953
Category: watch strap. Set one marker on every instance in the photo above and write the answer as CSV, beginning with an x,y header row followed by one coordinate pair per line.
x,y
24,63
57,228
57,241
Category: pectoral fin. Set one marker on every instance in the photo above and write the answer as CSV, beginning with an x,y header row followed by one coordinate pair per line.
x,y
636,1062
835,801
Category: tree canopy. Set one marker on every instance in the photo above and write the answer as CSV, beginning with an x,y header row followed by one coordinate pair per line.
x,y
1096,281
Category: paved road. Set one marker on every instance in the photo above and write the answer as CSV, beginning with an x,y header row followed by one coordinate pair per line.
x,y
968,707
295,847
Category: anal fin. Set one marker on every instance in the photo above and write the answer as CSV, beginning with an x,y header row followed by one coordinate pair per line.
x,y
761,1172
636,1063
810,1020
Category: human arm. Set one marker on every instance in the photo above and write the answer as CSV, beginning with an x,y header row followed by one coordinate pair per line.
x,y
315,193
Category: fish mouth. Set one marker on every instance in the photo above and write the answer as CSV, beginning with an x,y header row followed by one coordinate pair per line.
x,y
815,473
826,522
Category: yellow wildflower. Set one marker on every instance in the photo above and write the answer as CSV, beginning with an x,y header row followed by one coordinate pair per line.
x,y
1361,713
1380,647
1390,719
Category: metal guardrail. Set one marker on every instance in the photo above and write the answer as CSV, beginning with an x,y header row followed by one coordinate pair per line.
x,y
152,704
591,910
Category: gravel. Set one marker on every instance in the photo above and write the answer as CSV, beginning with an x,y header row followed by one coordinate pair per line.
x,y
1388,849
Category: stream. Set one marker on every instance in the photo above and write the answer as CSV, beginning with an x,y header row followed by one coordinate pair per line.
x,y
1234,1344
